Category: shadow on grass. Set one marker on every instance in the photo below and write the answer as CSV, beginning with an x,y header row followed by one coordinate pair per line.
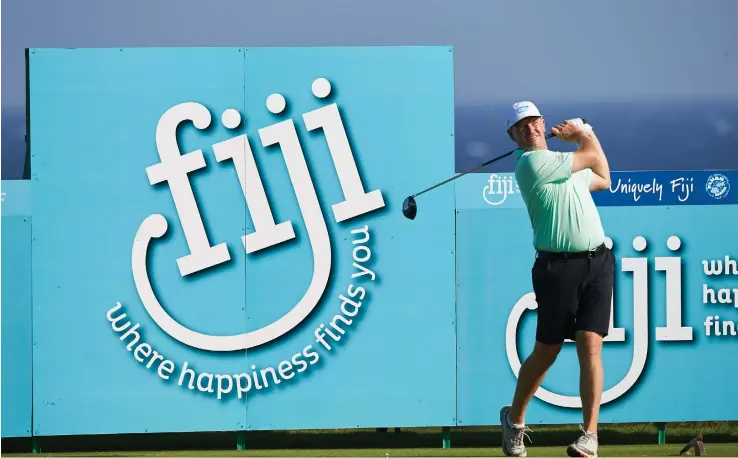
x,y
398,438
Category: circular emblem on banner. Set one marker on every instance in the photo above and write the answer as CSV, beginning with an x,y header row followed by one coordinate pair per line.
x,y
717,186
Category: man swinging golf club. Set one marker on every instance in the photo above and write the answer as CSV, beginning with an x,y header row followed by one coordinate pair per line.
x,y
573,270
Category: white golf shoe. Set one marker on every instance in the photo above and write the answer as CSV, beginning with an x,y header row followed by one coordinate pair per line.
x,y
512,436
586,445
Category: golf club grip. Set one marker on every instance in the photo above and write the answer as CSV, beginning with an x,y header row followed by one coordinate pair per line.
x,y
552,135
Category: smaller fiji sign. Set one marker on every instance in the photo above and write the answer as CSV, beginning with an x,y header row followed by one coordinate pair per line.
x,y
640,188
495,190
702,187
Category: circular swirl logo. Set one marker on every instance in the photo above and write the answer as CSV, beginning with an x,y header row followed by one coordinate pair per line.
x,y
717,186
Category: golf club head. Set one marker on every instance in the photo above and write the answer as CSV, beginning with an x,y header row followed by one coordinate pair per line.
x,y
409,208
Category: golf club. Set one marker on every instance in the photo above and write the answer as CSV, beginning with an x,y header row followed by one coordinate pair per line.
x,y
410,207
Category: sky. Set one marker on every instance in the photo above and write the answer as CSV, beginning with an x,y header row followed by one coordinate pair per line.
x,y
555,52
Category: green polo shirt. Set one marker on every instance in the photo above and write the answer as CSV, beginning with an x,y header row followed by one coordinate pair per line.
x,y
560,206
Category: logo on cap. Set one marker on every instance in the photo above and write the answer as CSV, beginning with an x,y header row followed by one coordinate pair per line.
x,y
522,108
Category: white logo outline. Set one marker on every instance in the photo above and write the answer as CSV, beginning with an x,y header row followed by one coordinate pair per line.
x,y
504,187
673,331
174,168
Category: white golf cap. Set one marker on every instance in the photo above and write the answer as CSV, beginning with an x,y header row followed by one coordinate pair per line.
x,y
521,110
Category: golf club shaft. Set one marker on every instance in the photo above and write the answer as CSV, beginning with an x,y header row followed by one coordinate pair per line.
x,y
548,136
464,173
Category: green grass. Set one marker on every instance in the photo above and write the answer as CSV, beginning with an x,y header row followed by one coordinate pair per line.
x,y
721,439
613,450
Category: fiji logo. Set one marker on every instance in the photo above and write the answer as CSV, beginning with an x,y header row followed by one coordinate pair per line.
x,y
498,188
674,330
717,186
175,167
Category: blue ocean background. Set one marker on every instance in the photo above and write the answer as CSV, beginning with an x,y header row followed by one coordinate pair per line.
x,y
662,96
660,134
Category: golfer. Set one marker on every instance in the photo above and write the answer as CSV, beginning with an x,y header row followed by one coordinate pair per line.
x,y
573,270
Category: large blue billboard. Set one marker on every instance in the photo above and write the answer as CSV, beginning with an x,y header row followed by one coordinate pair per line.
x,y
218,243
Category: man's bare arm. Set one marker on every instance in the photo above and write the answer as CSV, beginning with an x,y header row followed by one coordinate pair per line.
x,y
589,155
590,146
598,183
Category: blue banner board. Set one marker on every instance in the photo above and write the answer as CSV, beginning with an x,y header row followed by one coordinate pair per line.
x,y
231,240
675,301
15,296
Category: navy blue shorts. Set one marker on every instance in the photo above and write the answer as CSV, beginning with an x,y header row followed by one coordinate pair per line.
x,y
573,292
